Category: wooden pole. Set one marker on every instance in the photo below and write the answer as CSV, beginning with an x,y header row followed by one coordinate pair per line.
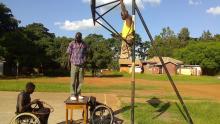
x,y
133,66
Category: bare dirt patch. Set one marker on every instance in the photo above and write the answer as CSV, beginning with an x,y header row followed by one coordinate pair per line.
x,y
209,91
203,91
8,105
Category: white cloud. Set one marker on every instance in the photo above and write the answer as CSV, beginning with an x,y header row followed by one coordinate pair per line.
x,y
152,2
195,2
140,3
76,25
214,10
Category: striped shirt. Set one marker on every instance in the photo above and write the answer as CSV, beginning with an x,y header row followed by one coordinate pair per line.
x,y
77,52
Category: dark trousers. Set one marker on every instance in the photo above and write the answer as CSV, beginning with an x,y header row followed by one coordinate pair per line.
x,y
77,73
43,115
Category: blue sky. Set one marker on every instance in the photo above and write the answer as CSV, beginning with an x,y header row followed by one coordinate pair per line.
x,y
66,17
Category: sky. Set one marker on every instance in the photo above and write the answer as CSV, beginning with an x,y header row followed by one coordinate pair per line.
x,y
66,17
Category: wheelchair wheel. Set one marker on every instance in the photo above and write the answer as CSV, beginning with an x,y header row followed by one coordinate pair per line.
x,y
25,118
102,115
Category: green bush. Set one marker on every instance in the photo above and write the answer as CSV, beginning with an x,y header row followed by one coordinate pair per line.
x,y
56,72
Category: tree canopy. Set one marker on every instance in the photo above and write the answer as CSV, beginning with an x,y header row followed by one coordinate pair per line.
x,y
34,46
100,54
207,55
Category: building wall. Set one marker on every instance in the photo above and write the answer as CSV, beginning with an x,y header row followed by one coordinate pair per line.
x,y
190,71
171,68
185,71
124,69
156,70
147,68
197,71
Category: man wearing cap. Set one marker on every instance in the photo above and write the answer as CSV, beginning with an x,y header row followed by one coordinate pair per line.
x,y
77,51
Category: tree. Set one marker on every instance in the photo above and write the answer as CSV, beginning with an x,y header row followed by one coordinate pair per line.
x,y
100,54
206,35
183,36
166,34
138,46
205,54
19,48
7,24
7,20
115,46
164,43
40,36
2,51
143,49
57,50
217,37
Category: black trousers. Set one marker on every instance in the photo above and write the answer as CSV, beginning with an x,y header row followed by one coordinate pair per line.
x,y
43,115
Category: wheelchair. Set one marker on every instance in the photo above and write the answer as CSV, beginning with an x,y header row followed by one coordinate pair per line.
x,y
31,117
99,113
25,118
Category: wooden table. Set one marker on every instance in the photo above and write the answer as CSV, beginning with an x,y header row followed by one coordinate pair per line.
x,y
73,105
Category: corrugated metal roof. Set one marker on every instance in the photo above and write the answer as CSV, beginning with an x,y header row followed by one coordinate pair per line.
x,y
156,60
128,62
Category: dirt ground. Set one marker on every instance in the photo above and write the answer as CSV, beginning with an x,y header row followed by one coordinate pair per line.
x,y
206,91
199,91
8,103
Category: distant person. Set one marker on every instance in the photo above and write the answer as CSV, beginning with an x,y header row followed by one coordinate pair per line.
x,y
24,104
77,51
127,33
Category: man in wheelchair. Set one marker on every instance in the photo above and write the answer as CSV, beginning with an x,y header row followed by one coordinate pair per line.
x,y
24,104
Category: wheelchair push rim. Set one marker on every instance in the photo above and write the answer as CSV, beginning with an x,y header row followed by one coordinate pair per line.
x,y
25,118
102,115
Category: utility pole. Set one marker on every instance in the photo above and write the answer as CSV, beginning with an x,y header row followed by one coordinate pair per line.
x,y
133,66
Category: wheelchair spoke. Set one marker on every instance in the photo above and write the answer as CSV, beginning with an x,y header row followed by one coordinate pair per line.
x,y
102,115
25,118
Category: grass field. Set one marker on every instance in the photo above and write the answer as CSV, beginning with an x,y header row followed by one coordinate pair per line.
x,y
178,78
202,110
18,85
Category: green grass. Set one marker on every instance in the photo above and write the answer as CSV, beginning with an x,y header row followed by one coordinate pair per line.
x,y
178,78
18,85
169,113
201,111
46,87
169,97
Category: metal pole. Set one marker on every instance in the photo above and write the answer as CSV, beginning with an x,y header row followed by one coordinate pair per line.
x,y
164,66
107,11
107,23
133,66
107,4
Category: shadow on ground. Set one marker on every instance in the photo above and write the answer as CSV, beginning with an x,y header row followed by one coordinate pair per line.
x,y
162,107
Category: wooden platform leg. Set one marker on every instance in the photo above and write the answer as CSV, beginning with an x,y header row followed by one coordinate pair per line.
x,y
71,116
85,114
66,116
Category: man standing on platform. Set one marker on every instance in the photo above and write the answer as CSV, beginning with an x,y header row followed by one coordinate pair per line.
x,y
77,51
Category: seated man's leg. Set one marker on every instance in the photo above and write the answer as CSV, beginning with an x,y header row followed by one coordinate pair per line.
x,y
43,115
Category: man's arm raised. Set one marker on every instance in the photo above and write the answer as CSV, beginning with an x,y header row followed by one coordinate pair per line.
x,y
123,8
128,18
